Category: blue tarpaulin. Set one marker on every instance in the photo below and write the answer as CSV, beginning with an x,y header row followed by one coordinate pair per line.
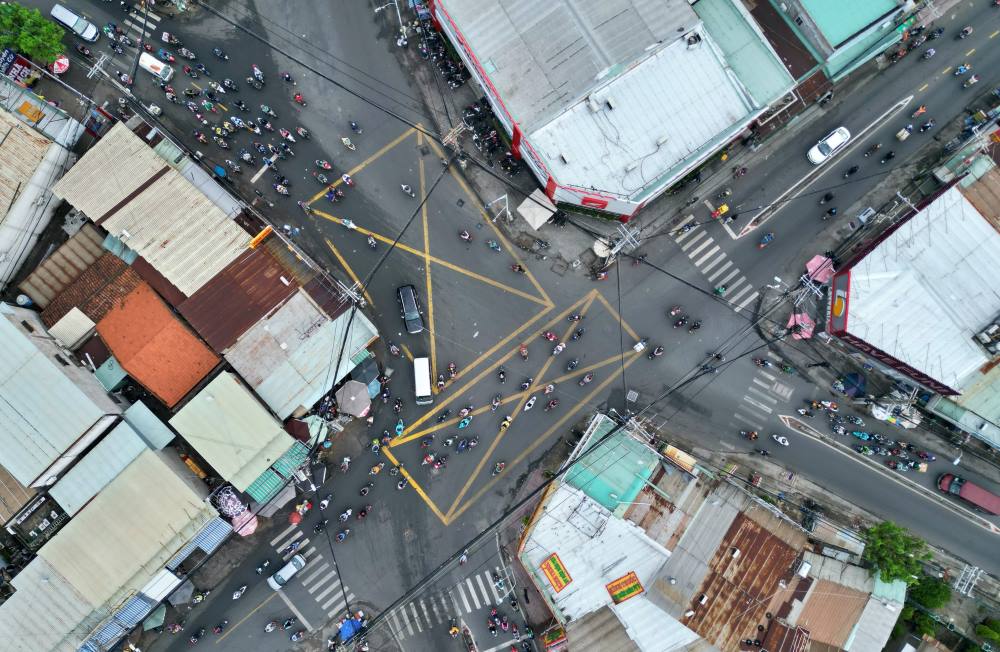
x,y
349,628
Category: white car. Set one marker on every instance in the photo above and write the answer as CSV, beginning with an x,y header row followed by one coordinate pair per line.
x,y
826,148
279,579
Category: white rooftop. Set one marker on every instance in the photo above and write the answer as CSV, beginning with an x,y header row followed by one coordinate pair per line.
x,y
597,548
928,288
667,108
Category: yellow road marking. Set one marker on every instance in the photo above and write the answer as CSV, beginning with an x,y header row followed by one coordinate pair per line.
x,y
489,221
428,283
582,371
455,513
363,164
244,619
923,88
617,317
406,352
438,261
416,485
528,324
350,272
970,52
994,33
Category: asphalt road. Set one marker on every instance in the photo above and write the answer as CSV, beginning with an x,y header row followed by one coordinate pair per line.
x,y
479,310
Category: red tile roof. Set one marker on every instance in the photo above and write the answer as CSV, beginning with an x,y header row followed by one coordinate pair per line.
x,y
154,347
95,291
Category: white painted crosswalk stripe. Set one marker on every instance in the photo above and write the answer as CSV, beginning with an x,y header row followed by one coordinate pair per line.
x,y
760,406
694,252
493,587
461,593
330,589
745,419
711,252
472,592
712,263
764,395
308,578
684,234
482,587
416,618
697,236
319,583
283,534
137,27
719,271
733,298
726,278
748,301
409,625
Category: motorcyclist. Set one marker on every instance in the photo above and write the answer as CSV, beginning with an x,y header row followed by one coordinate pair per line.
x,y
827,197
286,77
464,235
498,467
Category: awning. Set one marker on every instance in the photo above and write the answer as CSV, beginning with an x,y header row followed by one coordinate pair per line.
x,y
802,326
820,269
353,398
155,619
536,209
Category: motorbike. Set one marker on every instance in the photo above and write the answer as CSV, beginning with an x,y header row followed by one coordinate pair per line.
x,y
495,403
221,626
220,54
762,363
675,310
970,81
197,636
888,157
187,54
263,566
550,336
936,34
323,164
874,148
230,84
577,334
85,51
586,379
927,125
287,135
257,74
655,353
965,33
695,326
254,83
766,240
300,100
268,111
163,55
681,322
349,145
302,132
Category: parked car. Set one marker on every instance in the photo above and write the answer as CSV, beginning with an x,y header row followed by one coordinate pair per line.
x,y
834,141
280,578
74,22
410,309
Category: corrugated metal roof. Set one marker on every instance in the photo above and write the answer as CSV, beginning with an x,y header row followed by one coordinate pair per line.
x,y
286,356
669,110
738,588
148,426
155,347
64,265
540,57
21,150
121,184
830,612
940,262
97,468
237,297
46,612
128,531
34,434
72,329
95,291
232,431
875,626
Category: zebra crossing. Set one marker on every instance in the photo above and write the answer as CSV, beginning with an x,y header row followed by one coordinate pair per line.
x,y
136,28
471,594
761,398
715,265
319,577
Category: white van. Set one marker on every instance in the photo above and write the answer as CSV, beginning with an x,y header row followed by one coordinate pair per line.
x,y
75,23
422,381
155,67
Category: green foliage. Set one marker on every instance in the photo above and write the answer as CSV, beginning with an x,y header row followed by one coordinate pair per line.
x,y
906,613
930,593
29,33
924,624
989,629
894,552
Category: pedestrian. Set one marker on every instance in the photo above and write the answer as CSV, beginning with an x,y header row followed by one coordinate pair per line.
x,y
464,558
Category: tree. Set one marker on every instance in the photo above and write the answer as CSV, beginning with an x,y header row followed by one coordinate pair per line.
x,y
29,33
923,624
989,629
894,552
930,593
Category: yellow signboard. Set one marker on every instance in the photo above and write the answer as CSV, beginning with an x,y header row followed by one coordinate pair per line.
x,y
624,588
556,573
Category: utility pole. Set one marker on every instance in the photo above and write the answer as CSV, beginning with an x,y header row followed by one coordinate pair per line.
x,y
628,238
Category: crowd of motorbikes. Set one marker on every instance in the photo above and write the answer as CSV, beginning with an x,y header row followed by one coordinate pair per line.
x,y
902,456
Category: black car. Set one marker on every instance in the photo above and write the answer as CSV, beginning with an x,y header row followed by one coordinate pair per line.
x,y
410,309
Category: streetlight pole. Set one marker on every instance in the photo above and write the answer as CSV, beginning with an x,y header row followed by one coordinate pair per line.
x,y
399,17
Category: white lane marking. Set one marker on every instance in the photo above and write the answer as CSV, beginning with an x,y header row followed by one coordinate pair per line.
x,y
406,619
764,395
760,383
712,263
328,591
719,271
757,405
291,607
465,600
772,354
472,592
747,420
731,274
284,544
309,552
711,252
748,301
684,234
503,646
482,587
305,581
427,615
338,603
148,14
498,599
394,623
322,582
283,534
697,237
735,297
416,618
694,252
766,375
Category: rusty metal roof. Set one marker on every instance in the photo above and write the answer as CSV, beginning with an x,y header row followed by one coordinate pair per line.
x,y
238,297
21,149
106,282
64,265
782,638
